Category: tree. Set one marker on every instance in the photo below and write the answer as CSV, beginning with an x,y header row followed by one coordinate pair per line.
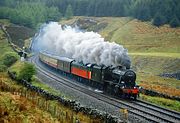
x,y
34,12
141,10
174,22
90,8
26,72
9,58
29,13
9,3
53,14
5,12
159,20
69,12
3,67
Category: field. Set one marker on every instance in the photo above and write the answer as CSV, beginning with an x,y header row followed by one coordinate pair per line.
x,y
153,50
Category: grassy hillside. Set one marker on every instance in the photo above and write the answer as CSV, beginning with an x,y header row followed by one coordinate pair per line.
x,y
32,108
135,35
19,34
153,50
19,109
14,108
4,46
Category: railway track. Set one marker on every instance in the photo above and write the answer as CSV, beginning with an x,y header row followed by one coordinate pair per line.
x,y
139,109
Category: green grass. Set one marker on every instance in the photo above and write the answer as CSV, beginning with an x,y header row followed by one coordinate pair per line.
x,y
167,86
114,24
4,48
156,54
166,103
5,22
139,36
36,82
4,45
17,67
155,64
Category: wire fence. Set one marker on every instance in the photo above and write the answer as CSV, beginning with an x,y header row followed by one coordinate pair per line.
x,y
75,107
53,108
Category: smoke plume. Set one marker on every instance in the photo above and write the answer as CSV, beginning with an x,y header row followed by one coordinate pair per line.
x,y
87,47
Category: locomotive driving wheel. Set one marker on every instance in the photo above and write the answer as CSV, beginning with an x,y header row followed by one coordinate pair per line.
x,y
116,90
135,97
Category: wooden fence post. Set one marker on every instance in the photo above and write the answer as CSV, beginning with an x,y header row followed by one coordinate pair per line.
x,y
66,115
38,102
72,117
54,111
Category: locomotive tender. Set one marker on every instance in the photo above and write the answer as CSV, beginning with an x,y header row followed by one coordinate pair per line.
x,y
113,80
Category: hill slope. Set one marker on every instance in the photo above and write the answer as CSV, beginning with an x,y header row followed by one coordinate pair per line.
x,y
153,50
135,35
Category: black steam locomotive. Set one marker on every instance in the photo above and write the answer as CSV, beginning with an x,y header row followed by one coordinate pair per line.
x,y
114,80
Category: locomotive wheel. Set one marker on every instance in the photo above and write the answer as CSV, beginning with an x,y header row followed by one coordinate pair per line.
x,y
135,97
112,90
116,90
105,86
128,96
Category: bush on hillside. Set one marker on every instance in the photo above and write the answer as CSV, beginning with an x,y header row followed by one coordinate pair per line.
x,y
2,67
26,72
9,58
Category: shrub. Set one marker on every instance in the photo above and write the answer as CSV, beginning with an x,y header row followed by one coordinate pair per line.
x,y
2,67
9,58
26,72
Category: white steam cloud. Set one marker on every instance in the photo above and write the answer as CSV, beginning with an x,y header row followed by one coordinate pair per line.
x,y
88,47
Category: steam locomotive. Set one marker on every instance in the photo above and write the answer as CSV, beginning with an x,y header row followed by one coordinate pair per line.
x,y
117,81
